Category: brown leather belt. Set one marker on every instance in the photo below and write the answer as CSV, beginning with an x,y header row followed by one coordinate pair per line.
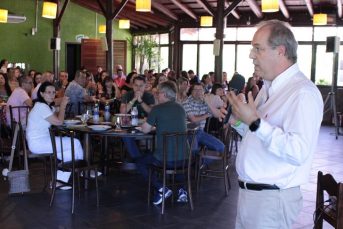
x,y
257,187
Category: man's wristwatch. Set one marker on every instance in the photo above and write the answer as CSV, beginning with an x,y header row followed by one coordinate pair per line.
x,y
63,87
255,125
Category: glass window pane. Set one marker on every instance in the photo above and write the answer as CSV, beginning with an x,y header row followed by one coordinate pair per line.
x,y
207,34
229,60
230,34
323,66
340,68
189,57
305,59
155,38
320,33
245,34
206,59
164,38
189,34
245,66
164,58
302,33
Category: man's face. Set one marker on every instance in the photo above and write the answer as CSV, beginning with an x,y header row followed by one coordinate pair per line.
x,y
63,76
138,85
198,92
191,75
28,85
265,59
225,76
6,64
146,73
120,73
99,70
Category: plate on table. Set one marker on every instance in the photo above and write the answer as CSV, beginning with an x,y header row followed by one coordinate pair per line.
x,y
99,127
106,123
71,122
77,126
123,115
80,116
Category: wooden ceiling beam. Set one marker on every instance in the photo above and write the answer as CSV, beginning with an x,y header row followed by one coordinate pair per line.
x,y
233,12
184,8
164,10
207,6
118,9
155,18
102,8
139,24
231,8
255,8
283,9
339,9
136,19
309,7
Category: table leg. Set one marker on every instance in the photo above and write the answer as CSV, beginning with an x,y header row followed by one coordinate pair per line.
x,y
105,156
86,153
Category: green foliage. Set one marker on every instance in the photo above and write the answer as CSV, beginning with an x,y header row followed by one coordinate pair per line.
x,y
323,82
145,47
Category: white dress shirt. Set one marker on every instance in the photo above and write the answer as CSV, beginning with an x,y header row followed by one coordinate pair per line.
x,y
282,149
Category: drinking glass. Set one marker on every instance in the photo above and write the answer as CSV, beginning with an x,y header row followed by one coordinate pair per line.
x,y
84,118
118,123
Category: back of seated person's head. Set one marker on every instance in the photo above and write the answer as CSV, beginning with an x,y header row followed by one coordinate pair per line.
x,y
169,87
22,79
79,73
107,79
129,76
215,87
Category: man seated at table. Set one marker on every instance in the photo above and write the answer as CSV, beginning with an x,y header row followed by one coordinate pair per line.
x,y
198,108
19,97
61,84
77,93
169,117
144,102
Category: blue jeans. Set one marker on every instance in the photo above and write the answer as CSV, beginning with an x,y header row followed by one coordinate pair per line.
x,y
211,142
132,147
149,159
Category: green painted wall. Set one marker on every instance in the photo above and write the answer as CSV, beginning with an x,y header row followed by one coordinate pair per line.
x,y
15,46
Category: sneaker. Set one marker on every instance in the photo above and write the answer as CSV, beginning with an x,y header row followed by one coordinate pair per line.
x,y
158,198
182,196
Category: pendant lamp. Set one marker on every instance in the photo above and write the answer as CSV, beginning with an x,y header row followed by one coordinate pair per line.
x,y
3,15
124,24
206,21
270,6
320,19
102,28
49,10
143,5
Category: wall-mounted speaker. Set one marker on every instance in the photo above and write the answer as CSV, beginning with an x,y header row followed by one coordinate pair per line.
x,y
216,47
104,45
55,43
332,44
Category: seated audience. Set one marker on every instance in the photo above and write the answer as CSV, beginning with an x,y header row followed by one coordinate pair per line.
x,y
61,84
159,79
90,85
172,76
111,92
46,77
13,77
251,86
144,101
119,80
128,84
77,93
41,117
182,89
169,117
206,82
19,97
198,108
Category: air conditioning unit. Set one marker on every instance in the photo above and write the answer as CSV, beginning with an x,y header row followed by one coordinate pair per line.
x,y
13,18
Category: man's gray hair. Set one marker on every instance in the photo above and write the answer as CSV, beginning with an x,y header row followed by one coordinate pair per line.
x,y
79,73
169,87
281,34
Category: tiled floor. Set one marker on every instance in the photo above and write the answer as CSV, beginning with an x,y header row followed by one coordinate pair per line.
x,y
123,202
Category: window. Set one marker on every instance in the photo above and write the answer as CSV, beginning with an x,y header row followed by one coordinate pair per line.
x,y
164,58
245,66
302,33
305,59
206,59
229,60
323,66
245,34
189,57
189,34
207,34
230,34
320,33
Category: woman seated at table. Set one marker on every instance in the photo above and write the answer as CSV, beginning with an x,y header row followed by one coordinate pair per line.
x,y
41,117
128,83
5,89
182,89
111,92
159,79
13,77
206,81
100,88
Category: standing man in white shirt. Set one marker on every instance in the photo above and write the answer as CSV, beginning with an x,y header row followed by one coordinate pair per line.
x,y
280,132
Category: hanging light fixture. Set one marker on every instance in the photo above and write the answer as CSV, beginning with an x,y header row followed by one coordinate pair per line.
x,y
143,5
102,28
124,24
320,19
49,10
206,21
270,6
3,15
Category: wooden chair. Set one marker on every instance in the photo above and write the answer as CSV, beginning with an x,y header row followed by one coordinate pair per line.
x,y
185,168
23,113
86,105
23,150
68,112
326,211
219,156
73,166
5,136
